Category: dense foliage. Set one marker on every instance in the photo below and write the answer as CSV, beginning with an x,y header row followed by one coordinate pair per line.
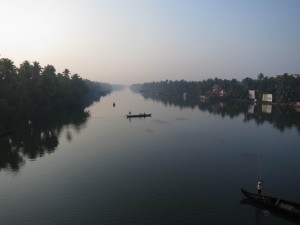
x,y
95,91
31,89
284,88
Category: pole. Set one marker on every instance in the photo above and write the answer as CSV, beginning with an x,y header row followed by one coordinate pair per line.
x,y
260,173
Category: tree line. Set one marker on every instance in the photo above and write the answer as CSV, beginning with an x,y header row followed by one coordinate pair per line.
x,y
30,88
284,88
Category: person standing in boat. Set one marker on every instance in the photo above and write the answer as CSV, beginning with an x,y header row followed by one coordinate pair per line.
x,y
259,187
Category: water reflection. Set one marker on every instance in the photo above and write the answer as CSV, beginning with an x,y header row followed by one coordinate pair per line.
x,y
279,116
262,212
36,136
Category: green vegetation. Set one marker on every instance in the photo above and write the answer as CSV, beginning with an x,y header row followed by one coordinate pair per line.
x,y
285,88
31,89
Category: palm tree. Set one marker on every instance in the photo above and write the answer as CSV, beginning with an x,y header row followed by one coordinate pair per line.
x,y
25,71
8,70
36,70
66,73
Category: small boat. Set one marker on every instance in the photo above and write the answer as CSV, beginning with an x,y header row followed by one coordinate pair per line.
x,y
138,115
275,203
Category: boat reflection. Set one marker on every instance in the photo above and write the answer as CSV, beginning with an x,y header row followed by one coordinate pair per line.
x,y
262,211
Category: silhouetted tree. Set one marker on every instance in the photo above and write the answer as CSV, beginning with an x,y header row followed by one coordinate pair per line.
x,y
31,88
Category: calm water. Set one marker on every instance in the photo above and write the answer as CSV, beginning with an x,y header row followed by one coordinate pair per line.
x,y
184,165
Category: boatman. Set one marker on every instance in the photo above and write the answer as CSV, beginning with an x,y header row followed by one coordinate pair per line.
x,y
259,187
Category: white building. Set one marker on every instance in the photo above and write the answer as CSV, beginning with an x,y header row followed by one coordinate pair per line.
x,y
267,98
252,94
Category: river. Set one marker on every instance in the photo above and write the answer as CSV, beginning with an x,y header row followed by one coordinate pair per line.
x,y
183,165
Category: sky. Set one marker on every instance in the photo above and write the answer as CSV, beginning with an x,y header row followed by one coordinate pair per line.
x,y
136,41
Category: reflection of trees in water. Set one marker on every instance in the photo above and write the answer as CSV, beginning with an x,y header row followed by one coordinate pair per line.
x,y
37,136
280,117
172,100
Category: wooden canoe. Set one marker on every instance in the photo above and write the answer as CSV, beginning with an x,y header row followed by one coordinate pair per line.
x,y
275,203
138,115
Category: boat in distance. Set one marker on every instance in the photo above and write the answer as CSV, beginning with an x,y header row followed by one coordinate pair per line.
x,y
138,115
275,203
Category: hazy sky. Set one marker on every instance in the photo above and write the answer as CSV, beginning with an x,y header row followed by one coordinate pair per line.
x,y
133,41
